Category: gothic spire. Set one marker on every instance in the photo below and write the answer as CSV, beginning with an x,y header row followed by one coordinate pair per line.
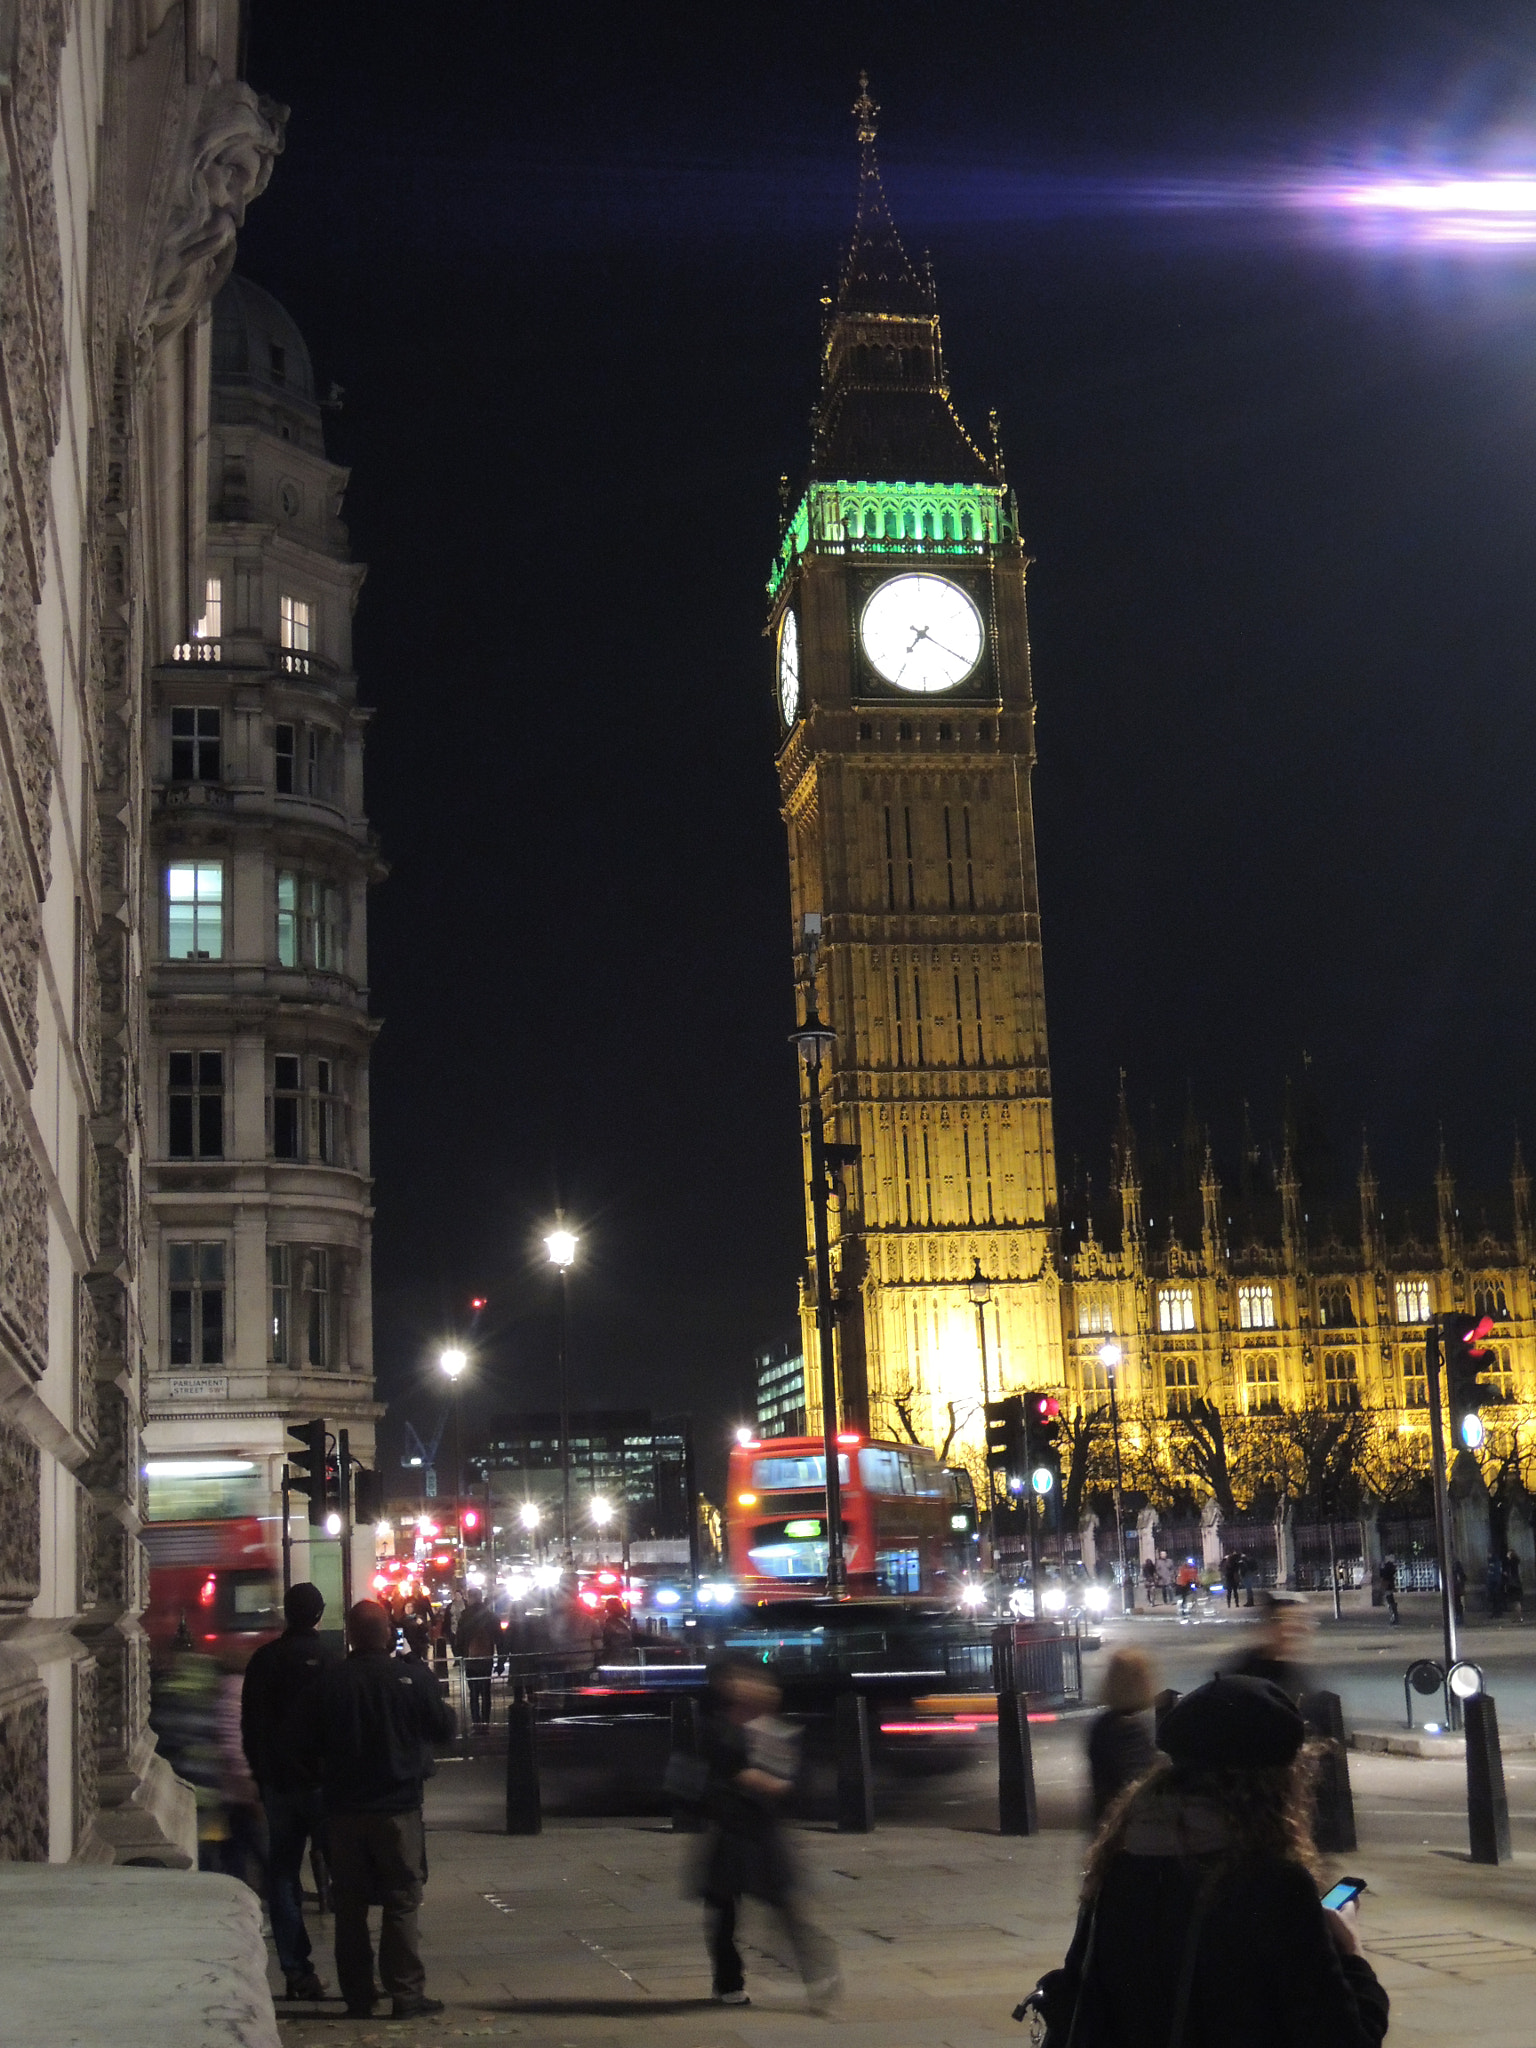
x,y
878,275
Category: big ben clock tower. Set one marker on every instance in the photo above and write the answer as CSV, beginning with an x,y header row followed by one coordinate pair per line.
x,y
902,682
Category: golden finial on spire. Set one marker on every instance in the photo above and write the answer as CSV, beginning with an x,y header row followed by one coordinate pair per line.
x,y
865,111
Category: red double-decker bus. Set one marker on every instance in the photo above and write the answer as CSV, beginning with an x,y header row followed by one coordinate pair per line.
x,y
901,1530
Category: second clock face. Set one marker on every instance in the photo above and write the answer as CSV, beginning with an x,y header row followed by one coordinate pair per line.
x,y
921,633
789,668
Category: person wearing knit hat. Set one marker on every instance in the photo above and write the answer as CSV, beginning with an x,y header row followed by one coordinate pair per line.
x,y
1201,1923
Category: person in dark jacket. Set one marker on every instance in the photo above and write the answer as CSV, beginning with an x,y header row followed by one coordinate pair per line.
x,y
1389,1588
278,1682
1120,1744
370,1724
751,1759
476,1640
1201,1924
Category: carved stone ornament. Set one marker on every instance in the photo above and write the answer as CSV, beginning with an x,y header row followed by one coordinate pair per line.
x,y
237,137
20,1527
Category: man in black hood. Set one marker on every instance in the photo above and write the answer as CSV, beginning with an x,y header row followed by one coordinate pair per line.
x,y
371,1725
278,1681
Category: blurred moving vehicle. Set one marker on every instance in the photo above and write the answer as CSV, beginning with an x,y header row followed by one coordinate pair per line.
x,y
905,1529
213,1567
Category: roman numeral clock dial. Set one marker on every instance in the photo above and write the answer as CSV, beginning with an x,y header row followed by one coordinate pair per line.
x,y
789,669
921,633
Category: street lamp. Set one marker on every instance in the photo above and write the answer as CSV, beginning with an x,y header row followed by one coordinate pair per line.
x,y
560,1245
813,1040
602,1515
979,1288
453,1361
1111,1357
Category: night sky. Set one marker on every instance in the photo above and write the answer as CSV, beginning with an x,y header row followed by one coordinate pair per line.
x,y
1278,475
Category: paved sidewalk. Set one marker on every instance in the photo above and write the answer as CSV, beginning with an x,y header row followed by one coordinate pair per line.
x,y
582,1937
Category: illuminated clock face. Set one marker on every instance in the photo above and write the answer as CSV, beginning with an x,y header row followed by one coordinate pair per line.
x,y
921,633
789,668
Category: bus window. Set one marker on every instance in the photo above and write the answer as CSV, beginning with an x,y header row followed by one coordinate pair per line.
x,y
881,1470
897,1571
928,1476
779,1475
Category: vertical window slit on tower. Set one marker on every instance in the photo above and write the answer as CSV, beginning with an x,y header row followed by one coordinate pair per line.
x,y
917,1012
970,872
986,1158
911,871
906,1171
896,986
959,1021
976,984
927,1177
890,864
949,857
970,1198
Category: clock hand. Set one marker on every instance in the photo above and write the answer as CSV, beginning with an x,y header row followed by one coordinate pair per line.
x,y
918,633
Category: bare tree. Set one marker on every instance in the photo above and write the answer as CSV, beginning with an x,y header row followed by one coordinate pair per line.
x,y
1202,1436
1081,1433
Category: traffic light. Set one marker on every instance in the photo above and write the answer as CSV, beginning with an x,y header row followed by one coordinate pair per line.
x,y
469,1525
367,1495
308,1468
1465,1358
1007,1443
1045,1436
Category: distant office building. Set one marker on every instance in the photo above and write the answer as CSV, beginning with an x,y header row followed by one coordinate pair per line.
x,y
781,1391
617,1456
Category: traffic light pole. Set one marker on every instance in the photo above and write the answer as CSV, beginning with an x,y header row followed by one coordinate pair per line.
x,y
287,1539
986,1402
1432,1350
837,1574
1030,1498
344,1487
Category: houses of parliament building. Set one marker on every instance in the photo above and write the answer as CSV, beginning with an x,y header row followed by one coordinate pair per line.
x,y
905,700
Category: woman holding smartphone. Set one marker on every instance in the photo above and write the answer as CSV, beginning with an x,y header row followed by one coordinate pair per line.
x,y
1201,1924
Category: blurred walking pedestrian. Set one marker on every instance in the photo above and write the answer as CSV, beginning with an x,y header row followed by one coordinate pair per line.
x,y
368,1728
1493,1584
1189,1586
1514,1591
1278,1651
1121,1747
1389,1588
1232,1576
279,1681
475,1640
1201,1920
751,1757
1164,1571
1149,1577
1459,1588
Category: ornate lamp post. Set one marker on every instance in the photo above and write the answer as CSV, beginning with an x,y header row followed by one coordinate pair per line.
x,y
560,1245
979,1288
813,1039
1111,1357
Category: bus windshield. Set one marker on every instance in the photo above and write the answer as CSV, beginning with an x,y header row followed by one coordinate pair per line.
x,y
780,1475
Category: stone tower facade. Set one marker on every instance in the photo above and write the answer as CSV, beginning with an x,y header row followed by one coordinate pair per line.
x,y
906,709
258,1266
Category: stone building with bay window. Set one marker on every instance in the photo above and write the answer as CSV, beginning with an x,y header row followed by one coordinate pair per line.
x,y
257,1189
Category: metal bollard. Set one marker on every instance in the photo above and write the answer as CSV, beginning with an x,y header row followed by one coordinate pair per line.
x,y
525,1814
1160,1704
683,1767
1017,1813
855,1780
1333,1819
1487,1806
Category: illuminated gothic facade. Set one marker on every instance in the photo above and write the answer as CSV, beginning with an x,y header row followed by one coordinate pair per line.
x,y
902,681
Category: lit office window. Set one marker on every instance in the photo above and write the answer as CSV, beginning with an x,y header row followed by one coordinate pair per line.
x,y
1261,1377
295,617
211,625
195,906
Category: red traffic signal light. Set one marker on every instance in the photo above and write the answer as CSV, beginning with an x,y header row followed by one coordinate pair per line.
x,y
1047,1407
470,1519
477,1303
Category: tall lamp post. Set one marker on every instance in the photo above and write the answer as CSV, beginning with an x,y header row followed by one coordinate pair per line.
x,y
813,1039
453,1361
1111,1357
561,1247
979,1288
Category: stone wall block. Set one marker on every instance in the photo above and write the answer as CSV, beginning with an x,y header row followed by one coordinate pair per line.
x,y
24,1774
